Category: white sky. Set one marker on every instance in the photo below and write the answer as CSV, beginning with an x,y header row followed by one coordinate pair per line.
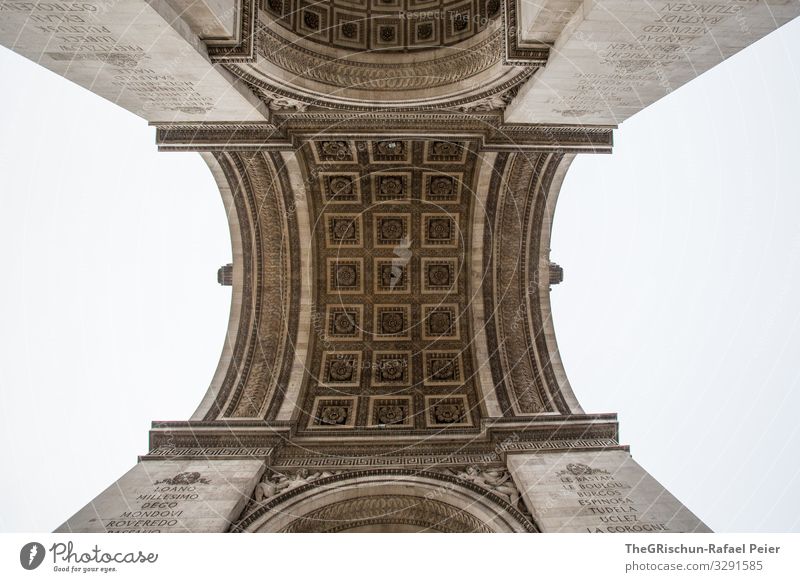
x,y
679,308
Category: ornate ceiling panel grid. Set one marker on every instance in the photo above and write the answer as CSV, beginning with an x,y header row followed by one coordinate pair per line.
x,y
385,25
391,346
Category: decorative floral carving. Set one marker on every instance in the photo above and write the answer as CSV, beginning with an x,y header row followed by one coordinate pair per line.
x,y
349,29
440,230
460,22
344,229
445,149
391,369
439,275
390,186
392,322
391,276
187,478
440,322
345,275
441,186
392,228
335,148
425,31
341,370
390,148
334,414
578,469
311,20
389,414
447,413
344,323
387,33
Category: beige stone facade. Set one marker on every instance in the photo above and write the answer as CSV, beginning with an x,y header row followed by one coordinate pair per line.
x,y
390,170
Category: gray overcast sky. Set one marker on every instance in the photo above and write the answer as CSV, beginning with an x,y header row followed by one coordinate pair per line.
x,y
679,307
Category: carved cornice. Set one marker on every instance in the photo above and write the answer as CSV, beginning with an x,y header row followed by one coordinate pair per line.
x,y
490,96
240,453
287,130
377,448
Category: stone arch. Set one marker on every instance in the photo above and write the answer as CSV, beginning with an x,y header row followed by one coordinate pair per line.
x,y
390,500
526,364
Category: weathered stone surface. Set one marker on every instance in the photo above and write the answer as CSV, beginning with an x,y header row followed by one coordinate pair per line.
x,y
613,58
597,492
139,55
171,496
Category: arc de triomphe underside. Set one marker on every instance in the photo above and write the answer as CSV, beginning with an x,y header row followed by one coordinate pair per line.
x,y
390,170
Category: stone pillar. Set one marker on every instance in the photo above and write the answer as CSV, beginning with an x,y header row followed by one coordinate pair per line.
x,y
172,496
612,58
140,55
597,492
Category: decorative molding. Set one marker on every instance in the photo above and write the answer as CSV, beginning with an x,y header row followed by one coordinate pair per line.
x,y
520,358
364,446
515,52
246,47
560,445
381,77
387,26
498,101
264,344
408,460
287,130
419,513
305,486
168,452
480,100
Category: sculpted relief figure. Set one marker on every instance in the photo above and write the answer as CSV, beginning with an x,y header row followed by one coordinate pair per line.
x,y
274,483
497,481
